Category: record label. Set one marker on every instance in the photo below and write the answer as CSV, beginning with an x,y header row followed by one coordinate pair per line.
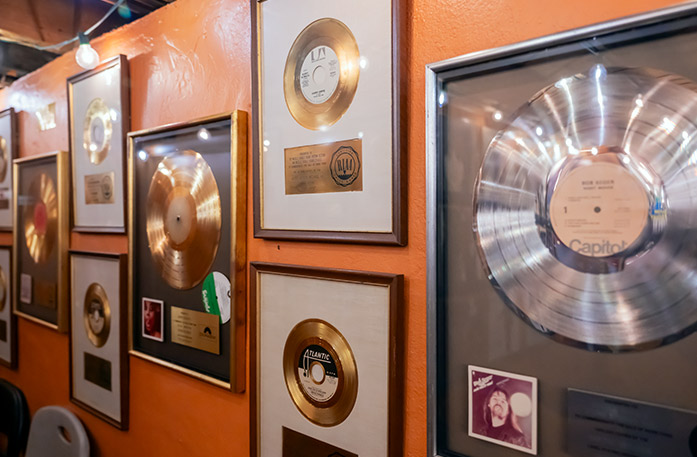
x,y
319,74
318,373
599,209
97,315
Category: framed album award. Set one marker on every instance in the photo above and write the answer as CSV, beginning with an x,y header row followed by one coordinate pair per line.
x,y
8,152
40,239
98,337
563,241
99,118
8,326
325,362
328,155
187,245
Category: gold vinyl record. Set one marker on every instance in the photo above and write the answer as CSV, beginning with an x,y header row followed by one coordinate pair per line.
x,y
97,315
40,217
3,289
320,372
321,73
96,131
183,219
4,158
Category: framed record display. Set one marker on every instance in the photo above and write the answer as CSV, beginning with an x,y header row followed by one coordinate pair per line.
x,y
99,118
326,362
187,245
562,229
8,326
327,134
8,152
99,335
40,239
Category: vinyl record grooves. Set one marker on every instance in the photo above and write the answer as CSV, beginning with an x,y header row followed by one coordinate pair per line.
x,y
40,217
97,315
321,73
183,219
4,158
585,210
3,289
97,131
320,372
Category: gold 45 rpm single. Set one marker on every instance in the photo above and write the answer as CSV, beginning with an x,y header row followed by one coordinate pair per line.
x,y
320,372
183,219
321,73
41,218
97,131
97,315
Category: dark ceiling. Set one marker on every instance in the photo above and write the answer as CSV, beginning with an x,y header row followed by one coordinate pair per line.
x,y
28,23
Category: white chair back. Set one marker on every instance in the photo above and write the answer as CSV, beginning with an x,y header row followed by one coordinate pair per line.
x,y
56,432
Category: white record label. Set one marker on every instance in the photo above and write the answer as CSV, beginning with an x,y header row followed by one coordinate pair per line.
x,y
319,74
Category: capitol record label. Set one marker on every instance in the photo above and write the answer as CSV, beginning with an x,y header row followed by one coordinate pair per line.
x,y
318,373
324,168
99,188
196,329
599,210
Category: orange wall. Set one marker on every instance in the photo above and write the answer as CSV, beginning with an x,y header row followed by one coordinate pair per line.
x,y
192,59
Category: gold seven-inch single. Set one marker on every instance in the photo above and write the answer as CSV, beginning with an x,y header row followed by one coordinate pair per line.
x,y
321,73
3,289
96,131
183,219
40,217
4,158
97,315
320,372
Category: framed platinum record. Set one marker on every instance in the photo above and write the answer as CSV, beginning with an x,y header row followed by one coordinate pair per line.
x,y
562,180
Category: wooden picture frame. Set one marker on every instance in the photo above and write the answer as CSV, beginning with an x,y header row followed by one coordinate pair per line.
x,y
365,309
316,205
8,321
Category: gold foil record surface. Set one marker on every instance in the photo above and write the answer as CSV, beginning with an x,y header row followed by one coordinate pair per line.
x,y
4,158
3,289
585,208
183,219
320,372
40,216
321,73
97,315
97,131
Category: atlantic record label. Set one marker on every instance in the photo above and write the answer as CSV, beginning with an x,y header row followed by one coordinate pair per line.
x,y
97,315
97,131
321,73
320,372
40,217
183,219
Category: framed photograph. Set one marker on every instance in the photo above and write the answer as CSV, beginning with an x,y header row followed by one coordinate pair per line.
x,y
98,340
8,152
325,362
8,325
187,243
99,118
40,240
550,251
328,141
503,408
153,319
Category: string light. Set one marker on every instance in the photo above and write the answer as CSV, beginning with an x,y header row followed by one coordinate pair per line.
x,y
86,56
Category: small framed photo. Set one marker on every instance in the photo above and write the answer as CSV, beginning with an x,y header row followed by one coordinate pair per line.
x,y
153,319
99,117
99,336
8,152
503,408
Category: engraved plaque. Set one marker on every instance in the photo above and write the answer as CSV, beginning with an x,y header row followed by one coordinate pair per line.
x,y
196,329
323,168
45,293
99,188
298,445
98,371
602,425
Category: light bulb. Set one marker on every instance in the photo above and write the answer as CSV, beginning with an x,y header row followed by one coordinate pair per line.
x,y
86,56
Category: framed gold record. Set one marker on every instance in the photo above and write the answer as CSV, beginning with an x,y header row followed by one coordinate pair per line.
x,y
187,244
327,91
326,364
8,152
41,239
99,336
99,119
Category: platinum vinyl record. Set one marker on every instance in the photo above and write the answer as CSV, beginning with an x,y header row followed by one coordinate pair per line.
x,y
586,209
